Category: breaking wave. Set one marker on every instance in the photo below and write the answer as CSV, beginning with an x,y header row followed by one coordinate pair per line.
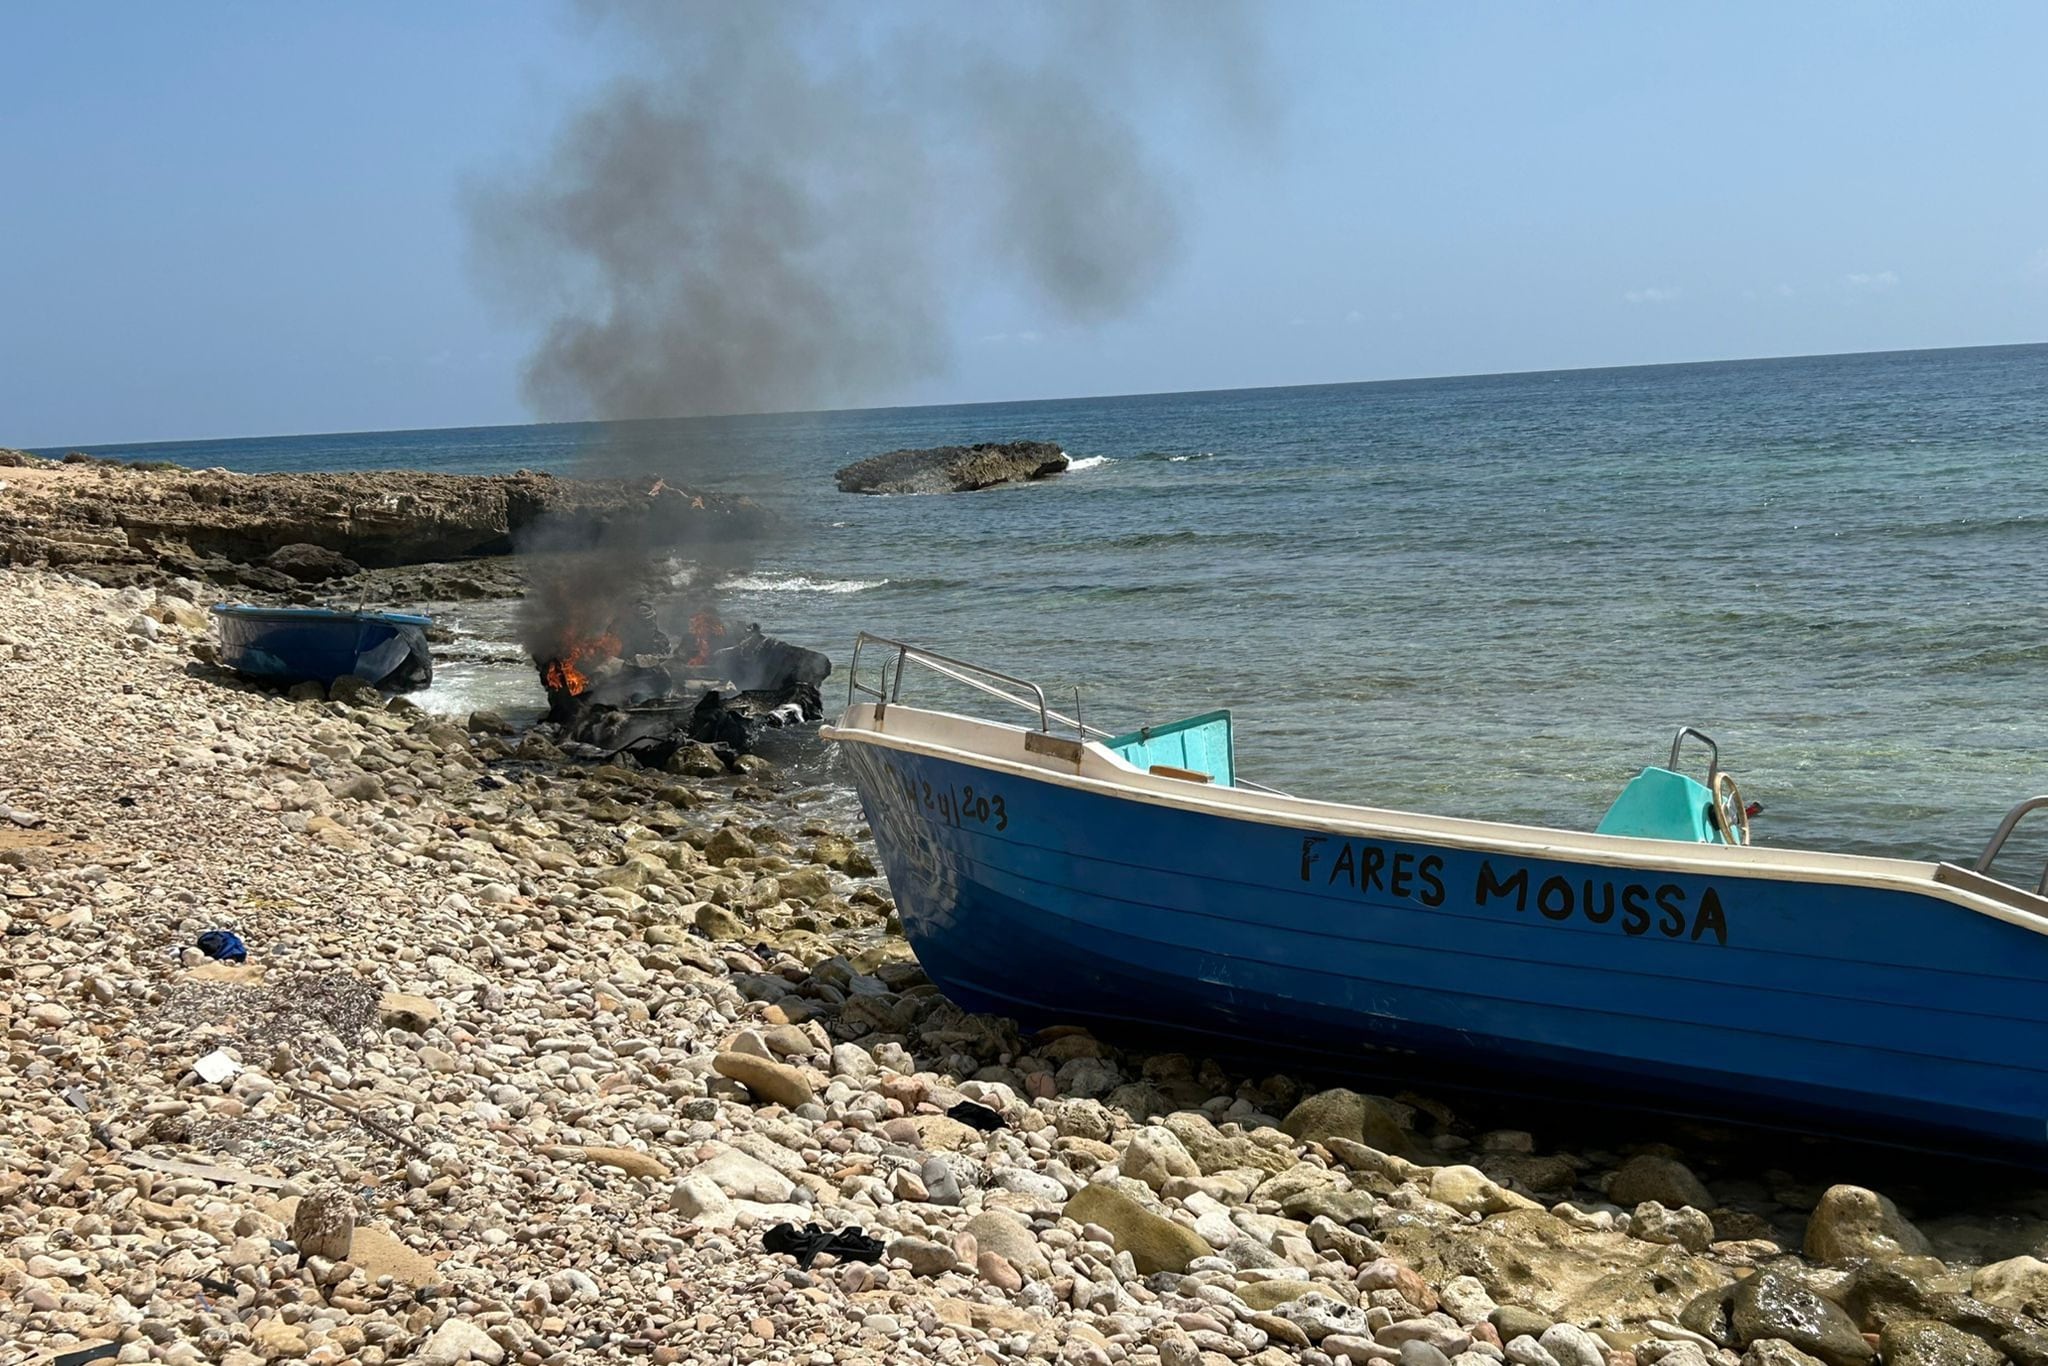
x,y
1087,462
796,583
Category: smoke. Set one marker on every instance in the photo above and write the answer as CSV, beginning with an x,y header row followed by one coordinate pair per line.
x,y
778,206
782,206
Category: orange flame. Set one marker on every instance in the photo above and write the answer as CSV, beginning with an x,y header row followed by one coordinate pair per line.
x,y
562,674
707,629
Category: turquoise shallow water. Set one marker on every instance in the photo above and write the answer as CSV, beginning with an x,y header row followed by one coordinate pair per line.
x,y
1491,596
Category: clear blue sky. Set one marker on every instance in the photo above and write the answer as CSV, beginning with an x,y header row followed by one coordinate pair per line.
x,y
240,219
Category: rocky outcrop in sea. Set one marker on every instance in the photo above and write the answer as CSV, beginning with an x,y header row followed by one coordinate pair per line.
x,y
954,469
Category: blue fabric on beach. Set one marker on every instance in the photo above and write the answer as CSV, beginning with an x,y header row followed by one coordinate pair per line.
x,y
225,945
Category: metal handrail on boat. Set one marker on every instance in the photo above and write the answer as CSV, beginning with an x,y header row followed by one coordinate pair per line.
x,y
890,690
963,671
2005,828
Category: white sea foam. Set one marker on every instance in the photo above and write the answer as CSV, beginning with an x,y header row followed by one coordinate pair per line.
x,y
1087,462
796,583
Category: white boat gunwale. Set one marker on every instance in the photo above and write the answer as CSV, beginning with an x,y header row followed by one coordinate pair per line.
x,y
994,745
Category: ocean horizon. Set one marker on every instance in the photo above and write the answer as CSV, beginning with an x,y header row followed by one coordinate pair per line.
x,y
118,449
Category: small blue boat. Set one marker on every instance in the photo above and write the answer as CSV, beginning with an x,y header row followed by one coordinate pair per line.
x,y
1056,874
318,645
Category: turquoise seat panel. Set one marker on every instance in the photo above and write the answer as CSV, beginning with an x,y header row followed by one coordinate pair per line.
x,y
1658,804
1201,743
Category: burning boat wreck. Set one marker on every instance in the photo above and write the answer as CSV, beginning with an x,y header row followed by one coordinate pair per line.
x,y
618,685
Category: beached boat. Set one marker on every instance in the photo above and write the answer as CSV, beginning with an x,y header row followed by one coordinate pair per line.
x,y
319,645
1060,875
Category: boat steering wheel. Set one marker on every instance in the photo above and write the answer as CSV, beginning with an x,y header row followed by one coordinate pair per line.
x,y
1731,816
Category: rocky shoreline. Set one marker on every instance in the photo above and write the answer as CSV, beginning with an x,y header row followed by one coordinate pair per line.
x,y
530,1054
283,534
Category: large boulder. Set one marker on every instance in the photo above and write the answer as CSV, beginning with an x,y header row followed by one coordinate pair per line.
x,y
1852,1224
1344,1114
1921,1342
1155,1242
1772,1304
1536,1260
954,469
1215,1151
1664,1179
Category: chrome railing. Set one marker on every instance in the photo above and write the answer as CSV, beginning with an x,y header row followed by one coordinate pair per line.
x,y
889,686
888,689
2005,828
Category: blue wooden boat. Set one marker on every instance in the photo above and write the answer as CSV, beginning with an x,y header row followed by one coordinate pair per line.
x,y
1056,874
318,645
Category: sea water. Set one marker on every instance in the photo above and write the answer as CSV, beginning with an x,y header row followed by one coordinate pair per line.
x,y
1493,596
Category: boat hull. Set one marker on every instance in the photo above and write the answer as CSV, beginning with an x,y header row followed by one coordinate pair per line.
x,y
308,644
1887,1013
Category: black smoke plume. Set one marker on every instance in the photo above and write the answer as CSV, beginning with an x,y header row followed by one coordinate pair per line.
x,y
779,206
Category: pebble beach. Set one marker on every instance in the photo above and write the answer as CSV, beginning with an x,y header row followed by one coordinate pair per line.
x,y
528,1054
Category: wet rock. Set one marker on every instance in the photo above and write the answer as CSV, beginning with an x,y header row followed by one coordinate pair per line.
x,y
1155,1242
483,721
695,759
1344,1114
1771,1304
1854,1224
1882,1293
1665,1180
1777,1352
727,844
1918,1342
842,855
355,692
2020,1283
